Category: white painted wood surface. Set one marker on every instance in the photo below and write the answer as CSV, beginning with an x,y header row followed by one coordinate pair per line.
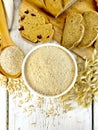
x,y
3,108
96,116
78,119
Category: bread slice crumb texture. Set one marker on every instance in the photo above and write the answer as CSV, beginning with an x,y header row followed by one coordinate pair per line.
x,y
34,25
41,33
73,30
91,28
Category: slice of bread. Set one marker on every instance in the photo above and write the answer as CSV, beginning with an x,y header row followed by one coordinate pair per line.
x,y
41,33
34,26
31,17
73,30
91,28
32,8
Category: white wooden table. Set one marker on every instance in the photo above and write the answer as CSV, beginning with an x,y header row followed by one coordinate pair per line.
x,y
13,119
77,119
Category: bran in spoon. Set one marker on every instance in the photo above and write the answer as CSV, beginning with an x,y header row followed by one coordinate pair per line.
x,y
11,59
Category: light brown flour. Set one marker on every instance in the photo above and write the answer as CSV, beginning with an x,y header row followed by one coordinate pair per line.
x,y
49,70
11,60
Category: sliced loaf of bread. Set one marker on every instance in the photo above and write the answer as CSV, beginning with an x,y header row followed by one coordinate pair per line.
x,y
57,7
54,7
91,28
73,30
34,25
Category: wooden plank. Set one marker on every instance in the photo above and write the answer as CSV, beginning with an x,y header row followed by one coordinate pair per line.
x,y
95,115
3,109
78,119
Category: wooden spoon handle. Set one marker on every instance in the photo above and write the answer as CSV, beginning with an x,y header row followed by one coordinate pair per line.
x,y
5,37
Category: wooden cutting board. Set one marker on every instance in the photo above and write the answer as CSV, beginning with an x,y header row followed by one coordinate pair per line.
x,y
85,53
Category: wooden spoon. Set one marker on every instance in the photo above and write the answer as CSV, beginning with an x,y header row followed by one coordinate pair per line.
x,y
5,40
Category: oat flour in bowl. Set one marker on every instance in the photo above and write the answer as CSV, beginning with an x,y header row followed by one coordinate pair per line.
x,y
49,70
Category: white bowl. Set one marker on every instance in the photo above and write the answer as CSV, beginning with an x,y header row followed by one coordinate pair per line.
x,y
54,45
